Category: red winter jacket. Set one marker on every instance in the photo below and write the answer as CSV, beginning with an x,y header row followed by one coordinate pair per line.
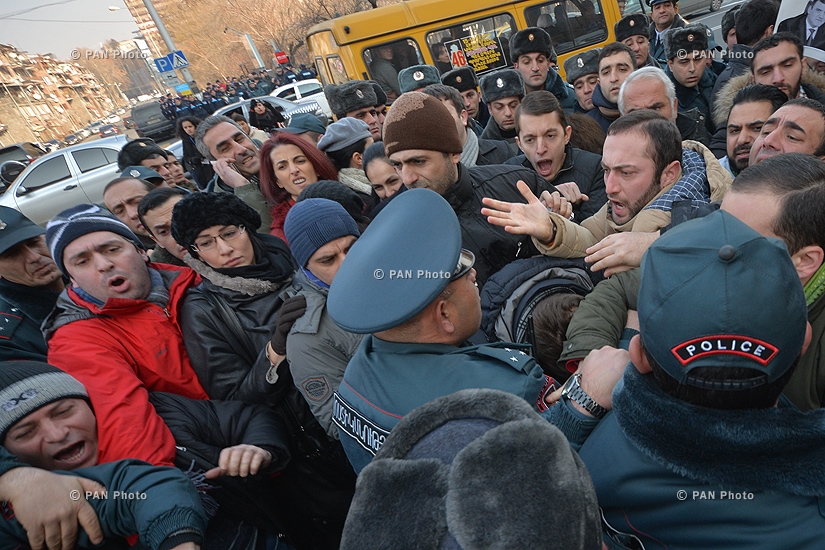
x,y
120,352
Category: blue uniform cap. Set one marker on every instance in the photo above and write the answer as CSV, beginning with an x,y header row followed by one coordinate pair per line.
x,y
402,262
715,293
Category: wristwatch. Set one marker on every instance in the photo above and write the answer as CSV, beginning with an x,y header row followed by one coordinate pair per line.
x,y
573,391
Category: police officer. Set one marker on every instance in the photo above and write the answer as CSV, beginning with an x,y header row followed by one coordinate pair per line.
x,y
29,286
465,81
418,303
532,52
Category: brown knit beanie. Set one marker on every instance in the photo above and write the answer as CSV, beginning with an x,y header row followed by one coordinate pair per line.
x,y
420,121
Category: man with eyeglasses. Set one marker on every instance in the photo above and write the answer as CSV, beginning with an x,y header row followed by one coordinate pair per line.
x,y
412,352
115,329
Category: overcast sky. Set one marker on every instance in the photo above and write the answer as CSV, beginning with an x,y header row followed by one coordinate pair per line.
x,y
58,26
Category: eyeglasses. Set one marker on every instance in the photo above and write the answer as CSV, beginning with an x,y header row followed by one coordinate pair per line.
x,y
465,263
204,244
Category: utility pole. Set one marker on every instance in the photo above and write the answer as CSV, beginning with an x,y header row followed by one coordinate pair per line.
x,y
167,39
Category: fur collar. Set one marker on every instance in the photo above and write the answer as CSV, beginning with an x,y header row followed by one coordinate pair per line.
x,y
244,285
724,99
355,179
778,449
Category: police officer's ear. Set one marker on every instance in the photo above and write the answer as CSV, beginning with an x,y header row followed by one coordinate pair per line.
x,y
637,355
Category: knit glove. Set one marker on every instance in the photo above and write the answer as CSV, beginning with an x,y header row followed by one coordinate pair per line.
x,y
292,310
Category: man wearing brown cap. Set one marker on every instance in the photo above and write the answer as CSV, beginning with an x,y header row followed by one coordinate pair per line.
x,y
422,143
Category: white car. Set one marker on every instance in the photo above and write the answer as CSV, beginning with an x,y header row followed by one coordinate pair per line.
x,y
112,119
304,91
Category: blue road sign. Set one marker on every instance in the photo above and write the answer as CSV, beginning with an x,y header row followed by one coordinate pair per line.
x,y
172,61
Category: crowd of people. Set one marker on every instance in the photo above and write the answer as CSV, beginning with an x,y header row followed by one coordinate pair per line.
x,y
521,311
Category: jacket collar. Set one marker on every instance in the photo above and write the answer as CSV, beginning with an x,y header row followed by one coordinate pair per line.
x,y
462,190
778,449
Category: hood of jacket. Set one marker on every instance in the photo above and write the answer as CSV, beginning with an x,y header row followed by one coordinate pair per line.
x,y
71,307
724,100
778,449
600,101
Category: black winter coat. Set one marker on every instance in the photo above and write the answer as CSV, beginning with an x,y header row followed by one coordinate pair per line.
x,y
492,245
492,152
585,170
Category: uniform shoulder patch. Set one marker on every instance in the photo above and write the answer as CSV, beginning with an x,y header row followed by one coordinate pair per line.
x,y
316,388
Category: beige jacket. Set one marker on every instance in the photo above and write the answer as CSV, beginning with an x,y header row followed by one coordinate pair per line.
x,y
572,240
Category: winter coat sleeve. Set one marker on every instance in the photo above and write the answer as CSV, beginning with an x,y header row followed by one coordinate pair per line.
x,y
127,424
222,373
601,316
252,196
572,240
317,363
159,504
207,427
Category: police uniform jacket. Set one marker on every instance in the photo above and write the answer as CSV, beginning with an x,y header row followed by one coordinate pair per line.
x,y
22,310
697,97
657,47
494,132
387,380
492,245
707,478
563,91
585,170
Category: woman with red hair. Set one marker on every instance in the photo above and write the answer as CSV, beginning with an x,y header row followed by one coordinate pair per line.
x,y
289,164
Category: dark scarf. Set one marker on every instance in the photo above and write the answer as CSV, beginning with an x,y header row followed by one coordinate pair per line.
x,y
778,449
273,268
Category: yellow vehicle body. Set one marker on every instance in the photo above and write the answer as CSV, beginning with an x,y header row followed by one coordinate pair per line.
x,y
474,33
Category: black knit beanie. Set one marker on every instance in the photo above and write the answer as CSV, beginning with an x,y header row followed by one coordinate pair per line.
x,y
199,211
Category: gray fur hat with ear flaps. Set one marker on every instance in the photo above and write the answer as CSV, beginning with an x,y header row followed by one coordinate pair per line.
x,y
475,469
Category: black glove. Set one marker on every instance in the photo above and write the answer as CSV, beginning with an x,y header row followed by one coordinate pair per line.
x,y
292,310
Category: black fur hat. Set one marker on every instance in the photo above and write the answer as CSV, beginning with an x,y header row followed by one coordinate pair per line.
x,y
350,96
531,40
380,94
136,151
462,79
502,83
199,211
631,25
686,39
433,482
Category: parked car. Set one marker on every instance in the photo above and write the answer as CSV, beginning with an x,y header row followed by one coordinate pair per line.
x,y
108,130
18,156
150,122
127,122
53,145
83,133
72,139
64,178
112,119
304,91
284,106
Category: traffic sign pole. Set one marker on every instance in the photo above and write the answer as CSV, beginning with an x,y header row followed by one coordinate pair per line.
x,y
167,39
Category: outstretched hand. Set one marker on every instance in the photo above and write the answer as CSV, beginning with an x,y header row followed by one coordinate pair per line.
x,y
240,461
525,219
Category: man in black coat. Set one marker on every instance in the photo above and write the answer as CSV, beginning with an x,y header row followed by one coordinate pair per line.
x,y
544,136
807,26
422,143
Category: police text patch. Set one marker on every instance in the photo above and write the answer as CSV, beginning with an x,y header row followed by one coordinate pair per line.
x,y
367,433
757,350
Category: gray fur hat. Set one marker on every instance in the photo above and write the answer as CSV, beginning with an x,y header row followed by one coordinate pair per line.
x,y
582,64
432,483
380,94
350,96
531,40
502,83
418,76
689,38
